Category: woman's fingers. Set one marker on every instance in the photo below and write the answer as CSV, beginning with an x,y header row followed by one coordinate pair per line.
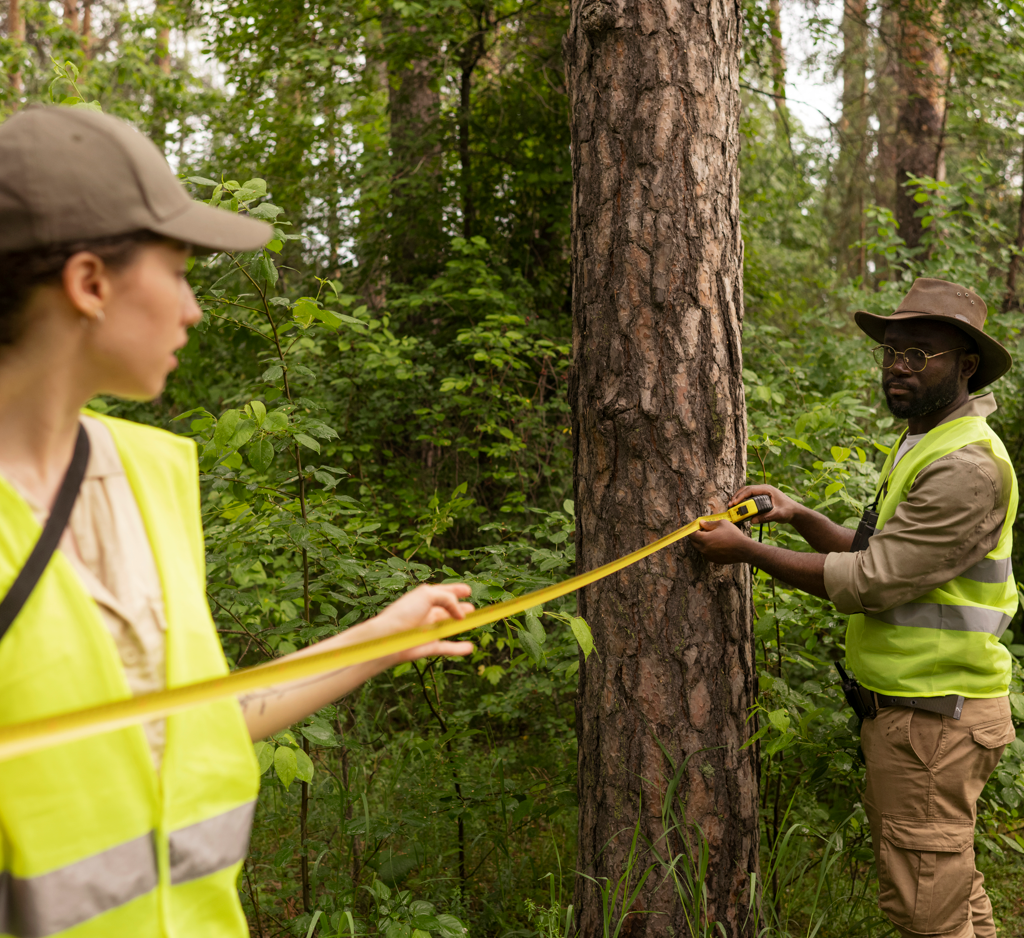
x,y
440,613
433,649
445,596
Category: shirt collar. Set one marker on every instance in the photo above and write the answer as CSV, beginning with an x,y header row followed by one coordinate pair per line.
x,y
981,405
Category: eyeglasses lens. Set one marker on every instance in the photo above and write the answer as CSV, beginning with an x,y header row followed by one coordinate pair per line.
x,y
886,357
916,359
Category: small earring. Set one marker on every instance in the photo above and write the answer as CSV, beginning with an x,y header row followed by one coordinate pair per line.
x,y
98,316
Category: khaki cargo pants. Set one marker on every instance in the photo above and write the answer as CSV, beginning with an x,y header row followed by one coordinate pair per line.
x,y
924,775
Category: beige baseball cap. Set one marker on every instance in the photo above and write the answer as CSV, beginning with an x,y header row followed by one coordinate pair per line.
x,y
942,301
73,174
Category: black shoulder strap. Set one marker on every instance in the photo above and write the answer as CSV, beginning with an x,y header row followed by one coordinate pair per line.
x,y
38,560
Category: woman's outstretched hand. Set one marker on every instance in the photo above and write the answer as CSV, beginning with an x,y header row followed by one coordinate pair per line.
x,y
421,608
275,708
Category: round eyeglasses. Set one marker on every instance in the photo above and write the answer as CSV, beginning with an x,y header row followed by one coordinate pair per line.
x,y
914,358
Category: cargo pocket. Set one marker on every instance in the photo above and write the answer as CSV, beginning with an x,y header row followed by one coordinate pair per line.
x,y
994,734
925,872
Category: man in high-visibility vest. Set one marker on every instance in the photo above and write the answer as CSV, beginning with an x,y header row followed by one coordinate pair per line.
x,y
928,585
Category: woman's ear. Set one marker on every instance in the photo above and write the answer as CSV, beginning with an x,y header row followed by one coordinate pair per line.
x,y
86,282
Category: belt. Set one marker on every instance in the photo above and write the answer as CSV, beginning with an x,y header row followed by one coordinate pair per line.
x,y
949,706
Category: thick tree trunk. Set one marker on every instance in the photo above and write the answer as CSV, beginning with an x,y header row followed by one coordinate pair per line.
x,y
851,175
416,209
659,430
923,72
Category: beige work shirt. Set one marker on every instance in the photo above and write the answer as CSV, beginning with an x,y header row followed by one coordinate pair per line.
x,y
952,517
106,543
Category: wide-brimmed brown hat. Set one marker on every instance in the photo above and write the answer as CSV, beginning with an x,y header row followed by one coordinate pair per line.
x,y
942,301
73,174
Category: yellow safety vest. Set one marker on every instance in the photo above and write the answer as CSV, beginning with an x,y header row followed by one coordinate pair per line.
x,y
946,641
93,841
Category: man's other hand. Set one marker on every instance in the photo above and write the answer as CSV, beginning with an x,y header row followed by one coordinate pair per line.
x,y
722,541
784,508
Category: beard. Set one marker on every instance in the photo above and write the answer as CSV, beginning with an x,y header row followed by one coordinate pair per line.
x,y
928,401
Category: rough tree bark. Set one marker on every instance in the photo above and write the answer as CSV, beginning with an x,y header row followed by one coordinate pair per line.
x,y
659,430
922,76
851,175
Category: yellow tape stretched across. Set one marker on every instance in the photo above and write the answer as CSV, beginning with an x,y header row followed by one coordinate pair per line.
x,y
21,738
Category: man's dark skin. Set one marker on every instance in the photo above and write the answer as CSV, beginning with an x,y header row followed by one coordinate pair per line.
x,y
943,379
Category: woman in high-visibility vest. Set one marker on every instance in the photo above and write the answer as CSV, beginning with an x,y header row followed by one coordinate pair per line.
x,y
141,831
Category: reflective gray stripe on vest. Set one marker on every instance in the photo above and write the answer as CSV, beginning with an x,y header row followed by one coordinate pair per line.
x,y
989,571
211,845
941,616
51,903
45,905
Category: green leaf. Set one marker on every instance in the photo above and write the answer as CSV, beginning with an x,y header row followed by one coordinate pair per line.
x,y
286,765
305,311
200,181
226,426
264,754
780,719
243,433
259,411
303,766
272,374
840,453
536,628
275,422
320,735
450,927
260,455
583,635
257,185
308,442
531,645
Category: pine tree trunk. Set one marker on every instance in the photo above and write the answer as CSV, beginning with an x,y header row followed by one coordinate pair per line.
x,y
922,76
659,430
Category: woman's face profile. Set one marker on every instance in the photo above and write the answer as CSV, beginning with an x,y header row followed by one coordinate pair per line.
x,y
147,309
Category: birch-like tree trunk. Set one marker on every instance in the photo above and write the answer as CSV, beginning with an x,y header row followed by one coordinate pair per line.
x,y
659,431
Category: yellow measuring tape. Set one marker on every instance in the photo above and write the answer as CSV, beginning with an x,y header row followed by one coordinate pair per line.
x,y
18,739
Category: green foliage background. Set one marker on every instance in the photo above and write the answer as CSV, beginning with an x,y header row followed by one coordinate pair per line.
x,y
364,427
